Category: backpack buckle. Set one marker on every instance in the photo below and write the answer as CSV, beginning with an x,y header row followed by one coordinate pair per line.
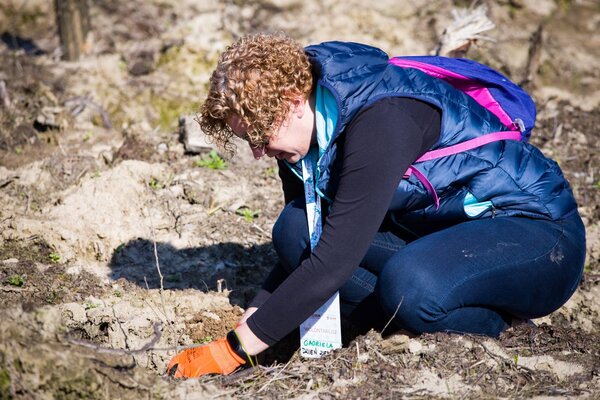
x,y
518,123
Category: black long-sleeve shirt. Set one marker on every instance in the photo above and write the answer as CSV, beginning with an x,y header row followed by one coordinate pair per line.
x,y
382,141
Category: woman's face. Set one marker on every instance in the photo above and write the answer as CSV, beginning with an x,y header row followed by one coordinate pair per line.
x,y
291,141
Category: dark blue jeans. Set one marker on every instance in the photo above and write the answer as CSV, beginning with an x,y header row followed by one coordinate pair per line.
x,y
472,277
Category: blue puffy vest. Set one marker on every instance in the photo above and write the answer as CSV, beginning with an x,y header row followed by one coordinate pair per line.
x,y
515,176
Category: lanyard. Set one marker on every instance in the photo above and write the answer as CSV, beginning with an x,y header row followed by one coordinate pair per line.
x,y
312,199
321,332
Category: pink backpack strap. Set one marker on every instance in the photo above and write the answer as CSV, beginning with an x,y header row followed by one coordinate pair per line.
x,y
454,149
470,144
412,170
463,83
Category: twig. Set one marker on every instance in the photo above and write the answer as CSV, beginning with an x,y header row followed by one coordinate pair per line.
x,y
7,218
156,257
15,289
120,327
100,349
533,58
261,230
135,384
508,361
482,375
7,181
78,104
383,358
4,99
161,290
166,317
28,204
393,316
274,378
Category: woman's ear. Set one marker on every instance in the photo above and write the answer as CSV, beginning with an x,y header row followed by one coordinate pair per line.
x,y
298,105
297,102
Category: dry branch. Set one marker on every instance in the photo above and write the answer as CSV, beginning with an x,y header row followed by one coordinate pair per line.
x,y
4,99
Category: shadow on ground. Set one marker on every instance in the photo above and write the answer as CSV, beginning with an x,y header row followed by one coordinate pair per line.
x,y
230,266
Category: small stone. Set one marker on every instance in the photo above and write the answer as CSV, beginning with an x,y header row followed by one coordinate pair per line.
x,y
163,148
395,344
193,138
75,312
414,346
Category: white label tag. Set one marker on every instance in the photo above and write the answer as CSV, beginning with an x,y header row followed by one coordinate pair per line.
x,y
322,331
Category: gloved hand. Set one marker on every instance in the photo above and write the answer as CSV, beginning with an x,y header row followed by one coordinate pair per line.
x,y
217,357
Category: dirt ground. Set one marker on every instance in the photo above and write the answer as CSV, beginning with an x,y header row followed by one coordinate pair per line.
x,y
118,247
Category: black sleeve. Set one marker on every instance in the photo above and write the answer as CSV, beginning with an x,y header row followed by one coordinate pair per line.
x,y
292,188
380,144
291,184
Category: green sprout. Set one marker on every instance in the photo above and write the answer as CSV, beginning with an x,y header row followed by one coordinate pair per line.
x,y
213,161
248,214
15,280
52,297
271,171
87,136
54,257
205,339
88,305
155,184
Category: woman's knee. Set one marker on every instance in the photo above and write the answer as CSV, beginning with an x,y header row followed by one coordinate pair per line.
x,y
290,235
408,297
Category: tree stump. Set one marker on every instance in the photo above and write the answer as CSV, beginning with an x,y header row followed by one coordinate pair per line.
x,y
73,20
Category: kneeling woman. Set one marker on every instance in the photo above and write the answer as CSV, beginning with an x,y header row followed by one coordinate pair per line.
x,y
467,243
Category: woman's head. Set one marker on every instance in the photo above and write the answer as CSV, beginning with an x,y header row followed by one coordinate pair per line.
x,y
255,83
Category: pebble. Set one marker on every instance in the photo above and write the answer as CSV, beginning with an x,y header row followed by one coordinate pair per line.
x,y
414,346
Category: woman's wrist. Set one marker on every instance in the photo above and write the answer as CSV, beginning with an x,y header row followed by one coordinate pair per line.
x,y
250,343
247,314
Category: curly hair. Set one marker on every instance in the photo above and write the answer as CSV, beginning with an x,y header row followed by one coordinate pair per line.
x,y
255,79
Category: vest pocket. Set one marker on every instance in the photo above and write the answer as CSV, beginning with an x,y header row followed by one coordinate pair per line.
x,y
474,208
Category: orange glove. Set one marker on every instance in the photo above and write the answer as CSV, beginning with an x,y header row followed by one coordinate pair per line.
x,y
218,357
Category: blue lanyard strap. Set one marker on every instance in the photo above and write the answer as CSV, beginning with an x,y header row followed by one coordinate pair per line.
x,y
312,199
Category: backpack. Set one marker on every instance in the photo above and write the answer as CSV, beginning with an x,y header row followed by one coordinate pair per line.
x,y
492,90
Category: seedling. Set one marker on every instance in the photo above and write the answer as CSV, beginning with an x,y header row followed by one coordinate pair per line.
x,y
89,305
87,136
15,280
155,184
271,171
54,257
213,207
205,339
247,213
213,161
52,297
